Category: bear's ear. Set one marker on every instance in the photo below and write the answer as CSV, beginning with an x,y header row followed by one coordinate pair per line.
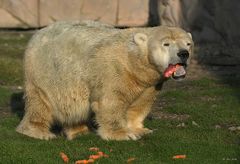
x,y
190,34
140,38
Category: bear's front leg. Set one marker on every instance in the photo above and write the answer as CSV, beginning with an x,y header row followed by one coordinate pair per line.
x,y
110,113
138,110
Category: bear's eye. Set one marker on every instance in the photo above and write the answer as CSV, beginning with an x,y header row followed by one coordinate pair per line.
x,y
166,44
188,44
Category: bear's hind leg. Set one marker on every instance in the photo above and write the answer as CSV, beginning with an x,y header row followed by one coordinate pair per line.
x,y
37,120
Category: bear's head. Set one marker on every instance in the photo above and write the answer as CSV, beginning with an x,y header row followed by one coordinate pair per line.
x,y
169,49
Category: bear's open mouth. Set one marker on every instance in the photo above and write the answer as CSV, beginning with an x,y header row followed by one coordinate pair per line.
x,y
177,71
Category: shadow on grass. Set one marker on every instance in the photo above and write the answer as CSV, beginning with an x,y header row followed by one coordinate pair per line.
x,y
225,69
17,104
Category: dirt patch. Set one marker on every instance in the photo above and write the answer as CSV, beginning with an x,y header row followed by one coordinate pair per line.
x,y
167,116
5,112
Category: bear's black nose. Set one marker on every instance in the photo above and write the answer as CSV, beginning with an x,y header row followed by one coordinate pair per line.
x,y
183,54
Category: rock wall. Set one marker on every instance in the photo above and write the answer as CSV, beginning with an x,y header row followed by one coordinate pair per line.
x,y
215,26
19,13
39,13
209,21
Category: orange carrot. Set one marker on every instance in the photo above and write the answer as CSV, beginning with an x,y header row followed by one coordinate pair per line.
x,y
94,157
64,157
90,160
179,157
102,154
82,161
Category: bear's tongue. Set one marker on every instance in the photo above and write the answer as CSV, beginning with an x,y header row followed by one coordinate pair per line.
x,y
180,71
174,70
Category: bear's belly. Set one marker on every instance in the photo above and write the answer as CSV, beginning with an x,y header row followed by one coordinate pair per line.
x,y
71,104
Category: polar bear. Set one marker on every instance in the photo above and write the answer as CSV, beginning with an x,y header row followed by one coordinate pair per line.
x,y
74,69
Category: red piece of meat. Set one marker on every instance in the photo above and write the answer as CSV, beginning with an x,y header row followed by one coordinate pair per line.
x,y
170,70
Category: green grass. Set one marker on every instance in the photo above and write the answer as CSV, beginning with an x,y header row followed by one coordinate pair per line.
x,y
207,105
11,71
209,102
4,96
211,99
201,145
12,46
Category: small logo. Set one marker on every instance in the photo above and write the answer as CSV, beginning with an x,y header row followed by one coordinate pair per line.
x,y
229,159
